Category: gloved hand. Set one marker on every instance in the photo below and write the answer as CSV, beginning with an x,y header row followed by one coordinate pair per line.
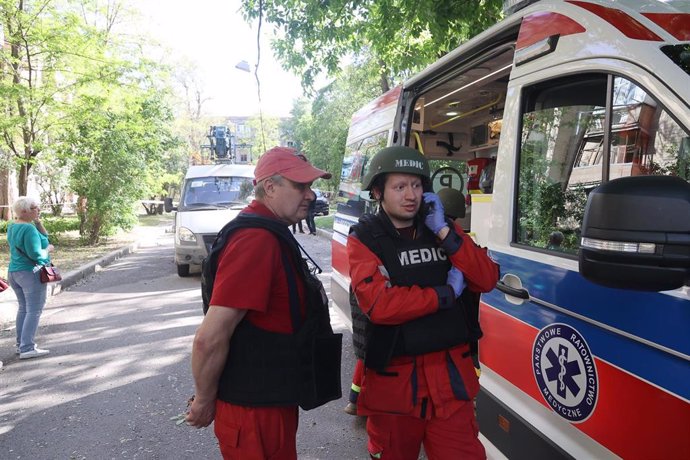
x,y
456,280
435,218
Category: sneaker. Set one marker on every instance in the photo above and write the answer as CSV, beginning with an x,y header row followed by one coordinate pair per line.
x,y
16,350
35,353
351,409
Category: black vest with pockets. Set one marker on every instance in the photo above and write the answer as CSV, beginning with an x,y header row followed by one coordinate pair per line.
x,y
419,262
266,368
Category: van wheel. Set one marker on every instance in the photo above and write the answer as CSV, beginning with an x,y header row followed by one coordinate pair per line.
x,y
183,270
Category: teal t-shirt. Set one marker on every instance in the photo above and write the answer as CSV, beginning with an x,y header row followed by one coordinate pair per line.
x,y
29,240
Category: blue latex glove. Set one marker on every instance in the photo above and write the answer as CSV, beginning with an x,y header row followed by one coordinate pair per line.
x,y
456,280
435,218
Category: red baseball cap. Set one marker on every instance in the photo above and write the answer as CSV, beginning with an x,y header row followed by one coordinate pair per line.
x,y
288,163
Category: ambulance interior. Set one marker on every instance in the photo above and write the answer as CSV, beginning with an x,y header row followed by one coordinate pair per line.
x,y
457,124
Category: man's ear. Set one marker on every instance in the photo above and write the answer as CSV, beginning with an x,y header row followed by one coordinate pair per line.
x,y
269,187
376,193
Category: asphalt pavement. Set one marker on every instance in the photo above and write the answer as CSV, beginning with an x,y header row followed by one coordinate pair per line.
x,y
118,377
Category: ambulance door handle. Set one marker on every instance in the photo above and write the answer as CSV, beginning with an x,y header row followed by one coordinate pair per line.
x,y
520,293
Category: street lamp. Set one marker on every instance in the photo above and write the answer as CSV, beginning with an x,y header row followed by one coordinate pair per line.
x,y
243,66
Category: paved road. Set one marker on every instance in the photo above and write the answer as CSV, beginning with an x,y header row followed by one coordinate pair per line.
x,y
119,372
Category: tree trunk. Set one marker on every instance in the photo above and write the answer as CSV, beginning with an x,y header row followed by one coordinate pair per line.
x,y
5,194
23,179
383,79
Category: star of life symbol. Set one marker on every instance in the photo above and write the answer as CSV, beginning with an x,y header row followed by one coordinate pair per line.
x,y
565,372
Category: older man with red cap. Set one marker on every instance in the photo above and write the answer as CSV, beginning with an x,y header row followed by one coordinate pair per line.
x,y
256,301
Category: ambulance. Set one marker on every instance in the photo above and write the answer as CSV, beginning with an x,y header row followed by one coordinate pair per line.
x,y
567,128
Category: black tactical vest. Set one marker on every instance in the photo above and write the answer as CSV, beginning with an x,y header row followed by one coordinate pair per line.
x,y
419,262
266,368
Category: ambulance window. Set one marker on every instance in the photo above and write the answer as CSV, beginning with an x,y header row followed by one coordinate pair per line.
x,y
562,152
357,154
645,139
679,54
562,127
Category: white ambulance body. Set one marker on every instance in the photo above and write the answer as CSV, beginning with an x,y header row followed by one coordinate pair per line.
x,y
581,356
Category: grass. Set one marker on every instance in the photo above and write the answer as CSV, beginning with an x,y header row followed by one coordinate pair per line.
x,y
70,253
324,222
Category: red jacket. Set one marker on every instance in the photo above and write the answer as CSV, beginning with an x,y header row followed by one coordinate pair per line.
x,y
392,305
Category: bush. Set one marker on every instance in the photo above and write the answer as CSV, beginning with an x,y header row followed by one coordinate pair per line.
x,y
57,225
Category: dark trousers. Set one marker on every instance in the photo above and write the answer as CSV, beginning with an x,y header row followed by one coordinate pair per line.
x,y
311,225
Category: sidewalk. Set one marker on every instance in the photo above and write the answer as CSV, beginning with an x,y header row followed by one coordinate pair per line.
x,y
8,301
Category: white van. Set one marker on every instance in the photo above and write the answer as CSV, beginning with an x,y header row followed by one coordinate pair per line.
x,y
581,108
212,195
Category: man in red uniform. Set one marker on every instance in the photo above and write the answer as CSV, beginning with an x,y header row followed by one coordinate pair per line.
x,y
252,293
408,272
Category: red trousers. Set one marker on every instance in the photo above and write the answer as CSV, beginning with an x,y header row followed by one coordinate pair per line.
x,y
400,437
256,433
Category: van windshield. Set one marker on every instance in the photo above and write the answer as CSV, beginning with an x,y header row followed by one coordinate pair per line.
x,y
216,192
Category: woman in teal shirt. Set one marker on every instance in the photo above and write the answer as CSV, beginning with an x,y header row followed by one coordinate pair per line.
x,y
29,247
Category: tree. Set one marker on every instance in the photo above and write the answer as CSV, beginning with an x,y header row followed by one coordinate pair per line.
x,y
52,179
320,130
117,143
52,51
190,122
265,133
400,36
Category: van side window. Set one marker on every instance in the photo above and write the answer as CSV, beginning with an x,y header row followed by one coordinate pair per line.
x,y
562,152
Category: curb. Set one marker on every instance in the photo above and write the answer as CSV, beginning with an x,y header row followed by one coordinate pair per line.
x,y
324,233
78,274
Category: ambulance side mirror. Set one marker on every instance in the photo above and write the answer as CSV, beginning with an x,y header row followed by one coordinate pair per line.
x,y
636,234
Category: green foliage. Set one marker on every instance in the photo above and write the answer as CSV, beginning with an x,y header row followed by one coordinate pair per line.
x,y
117,144
324,222
52,177
52,51
320,129
265,134
546,203
400,35
55,226
89,104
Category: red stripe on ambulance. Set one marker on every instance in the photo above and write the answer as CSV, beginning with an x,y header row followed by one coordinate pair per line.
x,y
677,25
339,259
539,26
629,26
633,418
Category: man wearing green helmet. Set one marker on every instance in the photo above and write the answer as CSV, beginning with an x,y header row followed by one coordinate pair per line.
x,y
409,266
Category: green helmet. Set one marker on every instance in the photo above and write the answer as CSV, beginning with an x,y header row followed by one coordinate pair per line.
x,y
453,202
404,160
